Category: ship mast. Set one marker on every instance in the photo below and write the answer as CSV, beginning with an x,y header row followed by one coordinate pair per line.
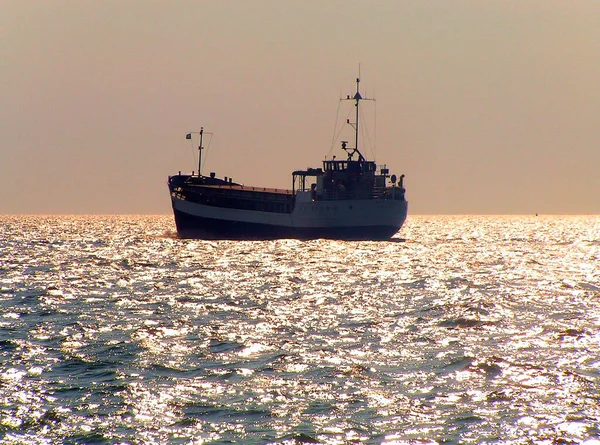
x,y
200,151
357,98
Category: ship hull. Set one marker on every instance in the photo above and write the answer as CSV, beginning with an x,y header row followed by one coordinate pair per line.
x,y
346,220
197,227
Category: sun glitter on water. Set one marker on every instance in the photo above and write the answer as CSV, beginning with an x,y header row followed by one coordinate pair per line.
x,y
463,329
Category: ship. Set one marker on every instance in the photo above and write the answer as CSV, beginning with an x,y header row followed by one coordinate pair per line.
x,y
346,199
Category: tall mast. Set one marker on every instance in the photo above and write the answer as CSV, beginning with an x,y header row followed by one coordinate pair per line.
x,y
200,151
357,98
356,124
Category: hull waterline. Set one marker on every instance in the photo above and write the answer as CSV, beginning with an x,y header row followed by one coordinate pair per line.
x,y
198,227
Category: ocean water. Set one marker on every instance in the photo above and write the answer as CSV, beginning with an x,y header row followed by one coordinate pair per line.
x,y
460,330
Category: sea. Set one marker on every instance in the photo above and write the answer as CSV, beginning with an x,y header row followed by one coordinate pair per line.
x,y
459,330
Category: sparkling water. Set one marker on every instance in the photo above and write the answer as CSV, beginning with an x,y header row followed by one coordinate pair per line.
x,y
461,329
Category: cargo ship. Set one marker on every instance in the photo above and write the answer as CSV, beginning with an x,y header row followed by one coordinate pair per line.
x,y
348,199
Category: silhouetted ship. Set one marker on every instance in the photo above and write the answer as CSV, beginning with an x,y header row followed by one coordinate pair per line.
x,y
345,199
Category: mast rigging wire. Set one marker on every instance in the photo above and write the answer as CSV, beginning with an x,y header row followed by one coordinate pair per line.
x,y
341,128
196,151
334,136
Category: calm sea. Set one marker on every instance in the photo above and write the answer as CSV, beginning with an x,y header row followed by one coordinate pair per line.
x,y
461,330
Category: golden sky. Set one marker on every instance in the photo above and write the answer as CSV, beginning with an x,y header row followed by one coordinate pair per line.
x,y
486,106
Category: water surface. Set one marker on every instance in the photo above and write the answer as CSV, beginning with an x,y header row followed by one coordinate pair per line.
x,y
459,330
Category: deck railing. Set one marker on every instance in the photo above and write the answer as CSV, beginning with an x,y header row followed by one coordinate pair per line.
x,y
375,193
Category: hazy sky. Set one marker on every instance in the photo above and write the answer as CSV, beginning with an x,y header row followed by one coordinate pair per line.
x,y
487,106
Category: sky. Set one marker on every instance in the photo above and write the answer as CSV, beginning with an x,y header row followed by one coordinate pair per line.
x,y
487,107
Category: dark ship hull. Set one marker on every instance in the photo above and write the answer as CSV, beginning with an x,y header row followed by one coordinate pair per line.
x,y
206,209
350,219
189,226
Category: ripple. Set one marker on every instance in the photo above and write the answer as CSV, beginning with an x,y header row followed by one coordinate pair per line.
x,y
468,329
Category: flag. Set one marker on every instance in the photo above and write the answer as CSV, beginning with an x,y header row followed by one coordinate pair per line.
x,y
188,136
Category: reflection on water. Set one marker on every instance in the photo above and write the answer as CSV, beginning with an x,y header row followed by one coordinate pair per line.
x,y
468,330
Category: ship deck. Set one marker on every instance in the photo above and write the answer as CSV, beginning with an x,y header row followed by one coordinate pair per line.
x,y
239,187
